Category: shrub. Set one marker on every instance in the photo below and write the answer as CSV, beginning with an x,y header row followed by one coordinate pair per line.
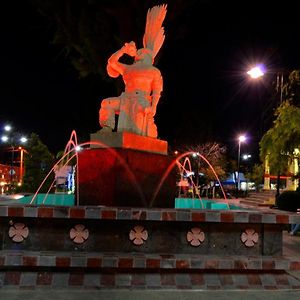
x,y
289,201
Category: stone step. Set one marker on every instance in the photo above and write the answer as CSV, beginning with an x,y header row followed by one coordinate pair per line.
x,y
259,198
119,261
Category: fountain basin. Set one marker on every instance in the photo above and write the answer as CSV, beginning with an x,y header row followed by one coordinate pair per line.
x,y
204,204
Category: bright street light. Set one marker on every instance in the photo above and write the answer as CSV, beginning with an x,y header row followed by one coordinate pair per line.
x,y
246,156
7,128
14,140
260,70
256,72
4,138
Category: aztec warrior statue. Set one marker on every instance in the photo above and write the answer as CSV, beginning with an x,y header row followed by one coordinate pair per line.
x,y
136,106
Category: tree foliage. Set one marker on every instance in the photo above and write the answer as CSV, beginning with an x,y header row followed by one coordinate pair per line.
x,y
292,88
38,163
215,155
280,141
256,175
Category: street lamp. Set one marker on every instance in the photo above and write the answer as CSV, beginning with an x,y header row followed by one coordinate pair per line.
x,y
14,140
241,139
257,72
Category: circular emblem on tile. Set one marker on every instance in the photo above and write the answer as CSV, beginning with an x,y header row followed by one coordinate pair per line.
x,y
18,232
195,236
138,235
79,234
249,237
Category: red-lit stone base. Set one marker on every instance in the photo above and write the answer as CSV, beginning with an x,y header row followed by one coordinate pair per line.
x,y
125,177
127,140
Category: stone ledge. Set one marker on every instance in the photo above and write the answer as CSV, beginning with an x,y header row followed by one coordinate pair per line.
x,y
144,214
148,262
84,280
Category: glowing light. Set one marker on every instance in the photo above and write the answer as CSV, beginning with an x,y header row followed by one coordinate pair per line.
x,y
23,139
4,138
188,174
242,138
256,72
7,128
246,156
78,148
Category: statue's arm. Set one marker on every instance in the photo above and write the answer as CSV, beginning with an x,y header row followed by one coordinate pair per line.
x,y
116,68
157,88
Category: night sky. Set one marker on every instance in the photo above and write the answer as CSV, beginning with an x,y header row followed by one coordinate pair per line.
x,y
207,96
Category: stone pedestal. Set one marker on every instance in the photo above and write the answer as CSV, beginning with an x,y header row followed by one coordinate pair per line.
x,y
119,175
128,140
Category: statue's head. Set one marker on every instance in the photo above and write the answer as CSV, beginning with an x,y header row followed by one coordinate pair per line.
x,y
144,55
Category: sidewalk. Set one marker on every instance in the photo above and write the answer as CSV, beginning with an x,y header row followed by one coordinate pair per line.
x,y
148,295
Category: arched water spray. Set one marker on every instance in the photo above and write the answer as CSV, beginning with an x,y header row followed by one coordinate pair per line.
x,y
69,159
175,162
71,148
182,169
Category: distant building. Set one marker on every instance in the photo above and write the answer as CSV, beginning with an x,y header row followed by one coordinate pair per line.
x,y
8,175
290,180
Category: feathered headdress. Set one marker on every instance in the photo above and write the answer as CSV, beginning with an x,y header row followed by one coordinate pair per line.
x,y
154,32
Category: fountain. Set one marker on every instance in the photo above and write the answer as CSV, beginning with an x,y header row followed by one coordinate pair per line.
x,y
123,231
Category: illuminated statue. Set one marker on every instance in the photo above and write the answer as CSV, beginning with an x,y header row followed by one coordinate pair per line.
x,y
136,106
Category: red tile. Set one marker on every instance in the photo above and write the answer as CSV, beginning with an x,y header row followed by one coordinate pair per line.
x,y
94,262
212,264
182,264
63,261
125,263
30,261
107,280
76,279
139,215
268,264
45,212
108,214
152,263
282,219
16,211
254,279
295,265
240,264
198,216
168,216
281,279
12,278
44,278
227,217
78,213
197,279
